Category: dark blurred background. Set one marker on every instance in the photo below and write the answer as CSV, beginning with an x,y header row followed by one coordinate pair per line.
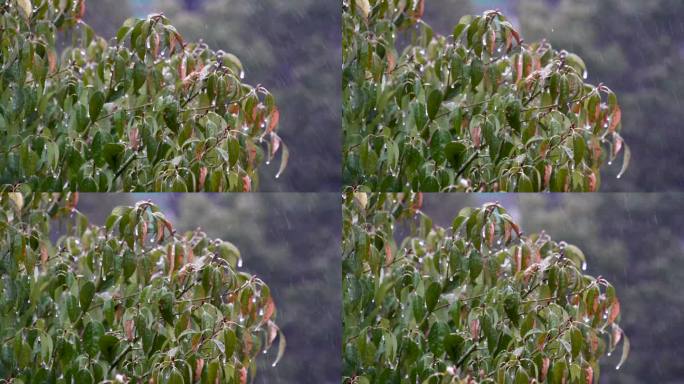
x,y
633,240
292,242
635,47
291,47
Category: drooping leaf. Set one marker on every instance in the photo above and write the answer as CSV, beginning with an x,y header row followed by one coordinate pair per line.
x,y
86,294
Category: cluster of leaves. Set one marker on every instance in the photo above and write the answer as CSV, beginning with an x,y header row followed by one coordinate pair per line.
x,y
301,67
477,302
131,301
479,110
148,112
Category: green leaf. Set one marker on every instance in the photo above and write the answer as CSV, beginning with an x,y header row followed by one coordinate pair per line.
x,y
95,105
474,265
513,115
432,296
108,347
113,155
576,341
84,376
433,103
86,294
73,311
476,73
176,377
455,153
438,333
171,116
454,345
511,306
579,148
575,254
525,184
166,307
139,74
91,338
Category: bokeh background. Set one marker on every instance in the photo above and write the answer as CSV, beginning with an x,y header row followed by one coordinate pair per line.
x,y
635,47
293,48
292,242
632,239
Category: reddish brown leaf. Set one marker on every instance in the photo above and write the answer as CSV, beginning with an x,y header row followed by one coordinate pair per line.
x,y
182,68
199,366
389,258
251,154
417,14
617,146
548,169
180,257
143,232
72,201
171,258
246,183
592,181
202,177
507,232
589,375
128,329
476,136
248,343
516,228
516,35
133,138
52,61
272,333
275,143
160,231
269,309
243,375
545,368
43,255
273,120
616,118
594,343
418,203
475,329
81,10
617,336
614,311
155,46
391,62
